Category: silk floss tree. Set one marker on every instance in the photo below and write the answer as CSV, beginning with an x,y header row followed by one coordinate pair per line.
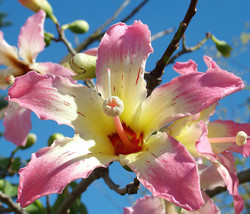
x,y
119,123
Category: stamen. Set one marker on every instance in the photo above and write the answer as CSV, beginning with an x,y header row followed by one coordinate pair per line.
x,y
240,139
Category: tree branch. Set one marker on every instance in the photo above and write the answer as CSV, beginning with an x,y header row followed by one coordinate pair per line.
x,y
162,33
243,177
13,206
131,188
154,78
81,187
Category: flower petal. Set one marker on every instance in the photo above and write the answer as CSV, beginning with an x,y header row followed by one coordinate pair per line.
x,y
147,205
124,49
208,208
186,95
9,57
167,169
52,68
31,38
17,124
52,168
219,128
226,168
56,98
185,67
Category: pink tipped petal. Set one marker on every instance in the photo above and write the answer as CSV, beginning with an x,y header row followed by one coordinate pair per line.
x,y
31,38
146,205
52,168
91,51
124,49
167,169
210,177
56,98
186,95
208,208
210,63
17,124
203,145
185,67
53,68
227,170
219,128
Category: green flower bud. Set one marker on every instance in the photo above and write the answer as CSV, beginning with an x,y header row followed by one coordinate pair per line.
x,y
78,26
83,65
54,137
222,47
30,141
48,38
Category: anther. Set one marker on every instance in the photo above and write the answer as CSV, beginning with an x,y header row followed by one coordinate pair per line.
x,y
241,138
113,106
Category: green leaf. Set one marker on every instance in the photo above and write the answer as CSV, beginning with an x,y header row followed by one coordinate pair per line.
x,y
8,188
36,208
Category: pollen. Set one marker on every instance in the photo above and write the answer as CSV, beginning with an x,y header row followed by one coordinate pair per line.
x,y
113,106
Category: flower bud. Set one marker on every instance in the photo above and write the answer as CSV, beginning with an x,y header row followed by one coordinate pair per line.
x,y
78,26
222,47
36,5
83,65
48,38
30,141
54,137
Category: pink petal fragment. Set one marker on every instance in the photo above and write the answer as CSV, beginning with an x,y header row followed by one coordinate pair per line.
x,y
53,68
91,51
168,171
208,208
124,49
185,67
228,171
146,205
210,63
56,98
17,124
219,128
31,38
186,95
52,168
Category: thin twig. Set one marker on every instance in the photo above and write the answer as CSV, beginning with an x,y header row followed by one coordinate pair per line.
x,y
15,207
154,79
48,204
243,177
81,187
131,188
161,34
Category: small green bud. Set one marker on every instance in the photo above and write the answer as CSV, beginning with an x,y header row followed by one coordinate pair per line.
x,y
54,137
83,65
78,26
48,38
30,141
222,47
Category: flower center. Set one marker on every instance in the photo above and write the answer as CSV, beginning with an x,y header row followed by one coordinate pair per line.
x,y
240,139
125,141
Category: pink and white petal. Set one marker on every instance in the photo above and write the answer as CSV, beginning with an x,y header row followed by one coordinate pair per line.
x,y
56,98
210,63
185,67
52,168
210,177
208,208
228,128
147,205
226,168
31,38
52,68
92,51
9,57
203,145
124,49
167,170
17,124
187,95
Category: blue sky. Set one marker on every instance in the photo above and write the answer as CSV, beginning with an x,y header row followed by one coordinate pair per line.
x,y
225,19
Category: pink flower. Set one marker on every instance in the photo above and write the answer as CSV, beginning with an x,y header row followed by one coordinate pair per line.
x,y
131,133
30,42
